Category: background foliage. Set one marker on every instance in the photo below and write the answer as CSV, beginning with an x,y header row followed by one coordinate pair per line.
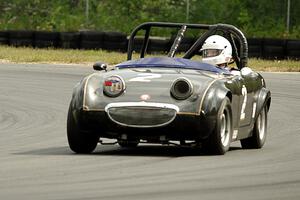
x,y
256,18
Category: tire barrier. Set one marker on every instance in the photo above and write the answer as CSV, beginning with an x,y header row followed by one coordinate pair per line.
x,y
92,40
159,45
255,47
273,48
184,45
114,41
3,37
44,39
138,44
70,40
20,38
293,49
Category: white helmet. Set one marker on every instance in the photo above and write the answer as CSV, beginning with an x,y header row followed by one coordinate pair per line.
x,y
216,50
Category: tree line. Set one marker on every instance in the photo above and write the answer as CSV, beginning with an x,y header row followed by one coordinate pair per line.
x,y
256,18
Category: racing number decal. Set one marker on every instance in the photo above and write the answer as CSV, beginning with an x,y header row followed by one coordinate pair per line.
x,y
244,93
145,77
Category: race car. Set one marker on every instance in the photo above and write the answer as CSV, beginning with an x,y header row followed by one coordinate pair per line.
x,y
172,100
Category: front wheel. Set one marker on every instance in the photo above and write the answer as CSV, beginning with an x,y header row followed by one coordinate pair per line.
x,y
258,138
79,142
218,142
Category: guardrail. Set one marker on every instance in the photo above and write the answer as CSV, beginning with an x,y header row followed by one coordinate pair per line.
x,y
115,41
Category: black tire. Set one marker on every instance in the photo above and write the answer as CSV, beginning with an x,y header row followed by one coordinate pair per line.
x,y
185,44
254,51
92,36
254,41
45,43
3,41
70,40
128,143
273,52
91,45
3,37
114,37
259,134
113,46
21,42
45,39
45,35
159,45
218,142
79,142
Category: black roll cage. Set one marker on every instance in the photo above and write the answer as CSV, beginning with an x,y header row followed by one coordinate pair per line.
x,y
233,34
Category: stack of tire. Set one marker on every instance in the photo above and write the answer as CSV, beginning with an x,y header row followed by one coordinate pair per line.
x,y
293,49
159,45
255,47
3,38
115,41
273,49
138,44
70,40
92,40
44,39
185,43
21,38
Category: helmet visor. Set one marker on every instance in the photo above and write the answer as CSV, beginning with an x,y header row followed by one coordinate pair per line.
x,y
207,53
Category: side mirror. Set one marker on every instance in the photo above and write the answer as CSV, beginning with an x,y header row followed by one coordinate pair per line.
x,y
99,66
246,71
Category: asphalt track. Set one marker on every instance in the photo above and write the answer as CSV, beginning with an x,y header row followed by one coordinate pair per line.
x,y
36,163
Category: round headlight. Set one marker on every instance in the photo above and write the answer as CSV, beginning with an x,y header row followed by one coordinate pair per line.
x,y
181,89
113,86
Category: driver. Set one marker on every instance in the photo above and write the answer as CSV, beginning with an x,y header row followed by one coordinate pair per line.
x,y
217,50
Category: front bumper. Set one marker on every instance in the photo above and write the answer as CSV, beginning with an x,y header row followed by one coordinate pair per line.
x,y
182,127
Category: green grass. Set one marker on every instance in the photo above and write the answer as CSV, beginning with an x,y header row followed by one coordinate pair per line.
x,y
30,55
63,56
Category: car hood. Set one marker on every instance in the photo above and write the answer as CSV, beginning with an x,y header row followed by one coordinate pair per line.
x,y
148,84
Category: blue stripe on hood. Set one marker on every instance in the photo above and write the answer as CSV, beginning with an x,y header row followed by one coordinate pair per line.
x,y
167,62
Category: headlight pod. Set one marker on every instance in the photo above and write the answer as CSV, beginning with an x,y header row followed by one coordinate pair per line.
x,y
113,86
181,89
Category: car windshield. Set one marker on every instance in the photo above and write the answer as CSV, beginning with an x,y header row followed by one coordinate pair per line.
x,y
167,62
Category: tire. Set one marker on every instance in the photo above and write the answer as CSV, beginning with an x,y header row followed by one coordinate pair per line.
x,y
259,134
79,142
3,37
44,39
114,37
293,49
128,143
185,44
254,51
113,46
159,45
21,38
70,40
21,42
218,142
92,36
91,45
273,52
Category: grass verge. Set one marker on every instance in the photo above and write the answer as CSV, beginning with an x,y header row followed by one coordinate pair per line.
x,y
64,56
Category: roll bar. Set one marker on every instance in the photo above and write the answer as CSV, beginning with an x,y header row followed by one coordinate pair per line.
x,y
230,31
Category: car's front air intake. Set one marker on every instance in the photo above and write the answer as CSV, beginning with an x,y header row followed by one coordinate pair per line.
x,y
141,114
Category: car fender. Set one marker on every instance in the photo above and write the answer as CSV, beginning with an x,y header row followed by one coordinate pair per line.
x,y
213,98
78,94
263,99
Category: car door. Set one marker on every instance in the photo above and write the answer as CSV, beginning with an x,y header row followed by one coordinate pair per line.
x,y
247,88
